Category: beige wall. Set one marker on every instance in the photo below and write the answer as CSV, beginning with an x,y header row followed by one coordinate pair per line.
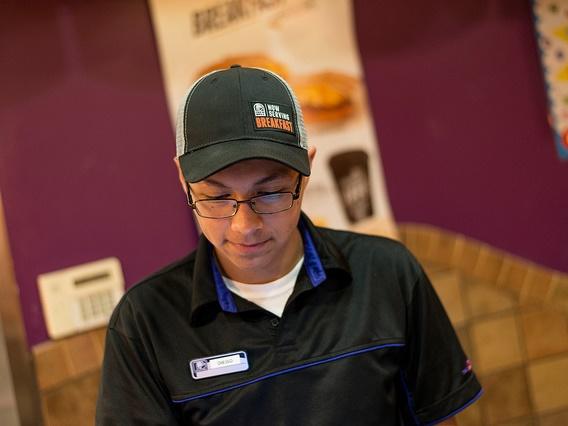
x,y
8,408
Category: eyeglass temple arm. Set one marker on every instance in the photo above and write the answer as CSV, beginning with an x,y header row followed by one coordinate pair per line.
x,y
297,190
189,199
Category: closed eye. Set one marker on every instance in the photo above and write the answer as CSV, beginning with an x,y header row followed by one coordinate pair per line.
x,y
270,192
215,197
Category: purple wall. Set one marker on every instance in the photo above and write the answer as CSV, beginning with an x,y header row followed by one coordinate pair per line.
x,y
460,111
86,143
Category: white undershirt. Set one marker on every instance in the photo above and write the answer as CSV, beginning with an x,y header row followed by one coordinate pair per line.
x,y
271,296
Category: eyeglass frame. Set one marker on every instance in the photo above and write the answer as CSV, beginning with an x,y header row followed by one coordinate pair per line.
x,y
249,201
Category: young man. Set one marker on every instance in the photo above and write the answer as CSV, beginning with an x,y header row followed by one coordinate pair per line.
x,y
271,320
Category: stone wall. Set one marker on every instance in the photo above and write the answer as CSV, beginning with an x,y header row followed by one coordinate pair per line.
x,y
68,378
512,319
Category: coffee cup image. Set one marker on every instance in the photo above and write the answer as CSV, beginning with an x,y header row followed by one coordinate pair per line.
x,y
350,171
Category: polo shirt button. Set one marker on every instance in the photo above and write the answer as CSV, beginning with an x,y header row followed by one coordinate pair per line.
x,y
275,322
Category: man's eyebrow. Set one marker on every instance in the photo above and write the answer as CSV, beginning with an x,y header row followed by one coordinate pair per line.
x,y
213,182
270,178
266,179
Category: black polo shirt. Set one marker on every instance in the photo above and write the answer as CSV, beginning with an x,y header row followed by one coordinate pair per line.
x,y
363,340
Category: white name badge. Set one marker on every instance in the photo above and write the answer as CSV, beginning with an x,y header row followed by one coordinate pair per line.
x,y
218,365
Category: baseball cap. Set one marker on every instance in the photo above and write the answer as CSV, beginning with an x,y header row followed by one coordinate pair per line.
x,y
237,114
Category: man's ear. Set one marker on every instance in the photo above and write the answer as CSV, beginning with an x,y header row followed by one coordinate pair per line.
x,y
311,155
180,176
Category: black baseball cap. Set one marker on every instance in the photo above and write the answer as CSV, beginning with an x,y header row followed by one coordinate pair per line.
x,y
238,114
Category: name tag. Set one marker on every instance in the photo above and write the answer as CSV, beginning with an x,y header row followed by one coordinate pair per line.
x,y
218,365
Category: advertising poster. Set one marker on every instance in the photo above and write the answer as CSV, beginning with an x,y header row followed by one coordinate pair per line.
x,y
311,44
551,21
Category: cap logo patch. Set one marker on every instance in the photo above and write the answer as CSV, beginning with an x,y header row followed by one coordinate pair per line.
x,y
259,110
272,117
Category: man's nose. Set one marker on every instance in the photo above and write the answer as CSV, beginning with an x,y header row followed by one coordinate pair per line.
x,y
245,220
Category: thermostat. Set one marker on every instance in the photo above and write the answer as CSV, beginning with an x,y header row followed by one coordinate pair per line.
x,y
80,298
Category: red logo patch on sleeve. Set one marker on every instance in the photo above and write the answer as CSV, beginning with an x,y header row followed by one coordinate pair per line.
x,y
468,367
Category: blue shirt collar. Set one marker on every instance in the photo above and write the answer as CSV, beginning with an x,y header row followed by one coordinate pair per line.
x,y
312,264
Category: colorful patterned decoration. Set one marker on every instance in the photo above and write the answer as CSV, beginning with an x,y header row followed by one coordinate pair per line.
x,y
551,24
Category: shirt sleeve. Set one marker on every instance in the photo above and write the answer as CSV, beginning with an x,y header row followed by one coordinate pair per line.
x,y
131,391
437,376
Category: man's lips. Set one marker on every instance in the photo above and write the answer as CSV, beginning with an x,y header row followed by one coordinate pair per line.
x,y
249,247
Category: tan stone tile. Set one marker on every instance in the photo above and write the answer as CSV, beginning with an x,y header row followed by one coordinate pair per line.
x,y
442,247
559,293
471,416
545,332
72,404
432,268
463,336
496,343
459,244
548,381
409,235
523,421
60,406
423,237
513,274
483,299
537,285
556,419
402,233
506,397
51,364
99,335
82,353
448,287
488,265
88,387
466,255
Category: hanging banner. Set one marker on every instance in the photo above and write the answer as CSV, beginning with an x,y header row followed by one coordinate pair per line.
x,y
551,22
311,44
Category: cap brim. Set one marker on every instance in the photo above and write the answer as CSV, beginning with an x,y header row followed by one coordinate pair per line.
x,y
204,162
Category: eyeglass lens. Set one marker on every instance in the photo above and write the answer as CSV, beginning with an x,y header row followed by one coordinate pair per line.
x,y
263,204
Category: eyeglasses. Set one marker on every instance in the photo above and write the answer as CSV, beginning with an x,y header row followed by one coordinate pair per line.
x,y
275,202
